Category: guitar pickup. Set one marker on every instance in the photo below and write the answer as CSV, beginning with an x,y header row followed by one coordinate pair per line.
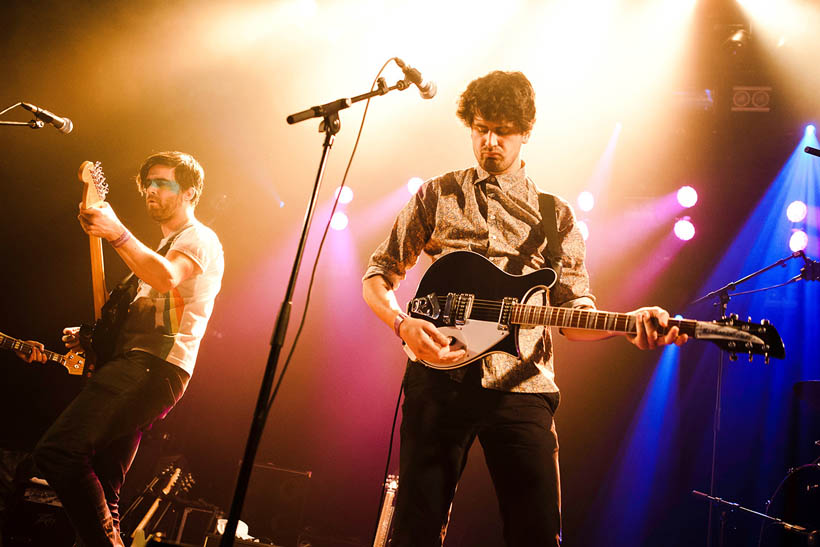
x,y
506,309
457,308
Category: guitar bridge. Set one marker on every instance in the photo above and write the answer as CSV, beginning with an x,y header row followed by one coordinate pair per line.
x,y
426,306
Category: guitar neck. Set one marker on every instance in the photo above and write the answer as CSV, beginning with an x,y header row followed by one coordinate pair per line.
x,y
580,318
97,275
7,342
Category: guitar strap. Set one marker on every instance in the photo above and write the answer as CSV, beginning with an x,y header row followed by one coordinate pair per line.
x,y
549,224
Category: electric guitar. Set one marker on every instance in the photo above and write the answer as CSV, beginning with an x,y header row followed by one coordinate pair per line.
x,y
110,309
383,528
481,308
73,362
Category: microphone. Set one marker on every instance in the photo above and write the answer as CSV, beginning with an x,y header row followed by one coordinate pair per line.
x,y
63,125
427,88
812,151
810,270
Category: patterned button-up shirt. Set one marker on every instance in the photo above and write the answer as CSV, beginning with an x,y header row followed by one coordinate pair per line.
x,y
499,218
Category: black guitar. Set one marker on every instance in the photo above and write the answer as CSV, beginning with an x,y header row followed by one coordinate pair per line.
x,y
482,308
98,340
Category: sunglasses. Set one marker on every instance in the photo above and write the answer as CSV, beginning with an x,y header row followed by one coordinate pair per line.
x,y
160,184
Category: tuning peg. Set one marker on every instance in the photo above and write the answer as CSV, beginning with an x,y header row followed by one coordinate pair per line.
x,y
766,358
765,322
733,357
734,316
749,319
750,356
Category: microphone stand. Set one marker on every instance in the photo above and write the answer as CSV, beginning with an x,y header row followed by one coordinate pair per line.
x,y
330,125
34,124
722,297
811,535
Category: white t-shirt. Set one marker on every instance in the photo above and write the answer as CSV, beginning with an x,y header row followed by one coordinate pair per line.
x,y
171,325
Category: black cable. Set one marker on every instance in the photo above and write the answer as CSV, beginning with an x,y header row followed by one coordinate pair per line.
x,y
322,242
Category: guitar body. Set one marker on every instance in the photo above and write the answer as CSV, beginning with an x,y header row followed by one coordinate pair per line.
x,y
100,339
470,273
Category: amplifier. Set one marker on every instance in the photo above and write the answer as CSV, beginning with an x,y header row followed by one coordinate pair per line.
x,y
275,503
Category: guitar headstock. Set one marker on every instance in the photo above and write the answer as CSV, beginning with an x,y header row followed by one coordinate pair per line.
x,y
759,339
75,363
95,188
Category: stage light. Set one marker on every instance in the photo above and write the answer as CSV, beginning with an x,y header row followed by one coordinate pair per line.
x,y
687,196
810,130
678,316
339,221
414,184
684,229
586,201
796,211
584,229
346,194
798,241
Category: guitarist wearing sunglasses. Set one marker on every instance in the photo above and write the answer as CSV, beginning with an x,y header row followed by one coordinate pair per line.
x,y
88,450
507,401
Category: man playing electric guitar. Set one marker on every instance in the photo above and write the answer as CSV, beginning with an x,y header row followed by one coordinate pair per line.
x,y
506,401
86,453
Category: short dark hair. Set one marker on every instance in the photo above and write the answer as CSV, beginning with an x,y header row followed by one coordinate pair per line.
x,y
187,171
499,97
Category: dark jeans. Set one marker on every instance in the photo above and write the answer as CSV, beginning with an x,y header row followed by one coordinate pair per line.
x,y
87,451
441,419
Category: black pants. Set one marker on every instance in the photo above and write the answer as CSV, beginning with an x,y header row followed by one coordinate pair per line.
x,y
441,419
87,451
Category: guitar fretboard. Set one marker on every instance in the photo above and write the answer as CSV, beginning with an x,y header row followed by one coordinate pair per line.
x,y
579,318
7,342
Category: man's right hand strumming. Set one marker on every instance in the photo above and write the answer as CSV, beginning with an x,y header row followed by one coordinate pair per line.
x,y
428,343
71,337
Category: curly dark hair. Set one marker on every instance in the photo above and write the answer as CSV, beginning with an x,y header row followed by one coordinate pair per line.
x,y
187,171
499,97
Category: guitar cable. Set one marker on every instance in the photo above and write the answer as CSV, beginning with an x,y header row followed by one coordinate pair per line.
x,y
322,242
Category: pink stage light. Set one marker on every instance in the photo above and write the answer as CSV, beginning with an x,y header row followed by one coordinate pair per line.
x,y
798,241
414,184
582,226
684,229
796,211
346,194
339,221
687,196
586,201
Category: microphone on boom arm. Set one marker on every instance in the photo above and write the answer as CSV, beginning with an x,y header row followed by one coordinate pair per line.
x,y
427,88
63,125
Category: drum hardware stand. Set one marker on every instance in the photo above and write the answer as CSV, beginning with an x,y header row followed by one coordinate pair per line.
x,y
330,125
722,297
812,537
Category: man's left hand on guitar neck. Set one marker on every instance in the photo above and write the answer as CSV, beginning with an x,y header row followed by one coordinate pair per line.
x,y
101,221
649,322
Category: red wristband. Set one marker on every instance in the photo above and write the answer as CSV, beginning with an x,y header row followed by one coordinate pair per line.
x,y
400,317
120,241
